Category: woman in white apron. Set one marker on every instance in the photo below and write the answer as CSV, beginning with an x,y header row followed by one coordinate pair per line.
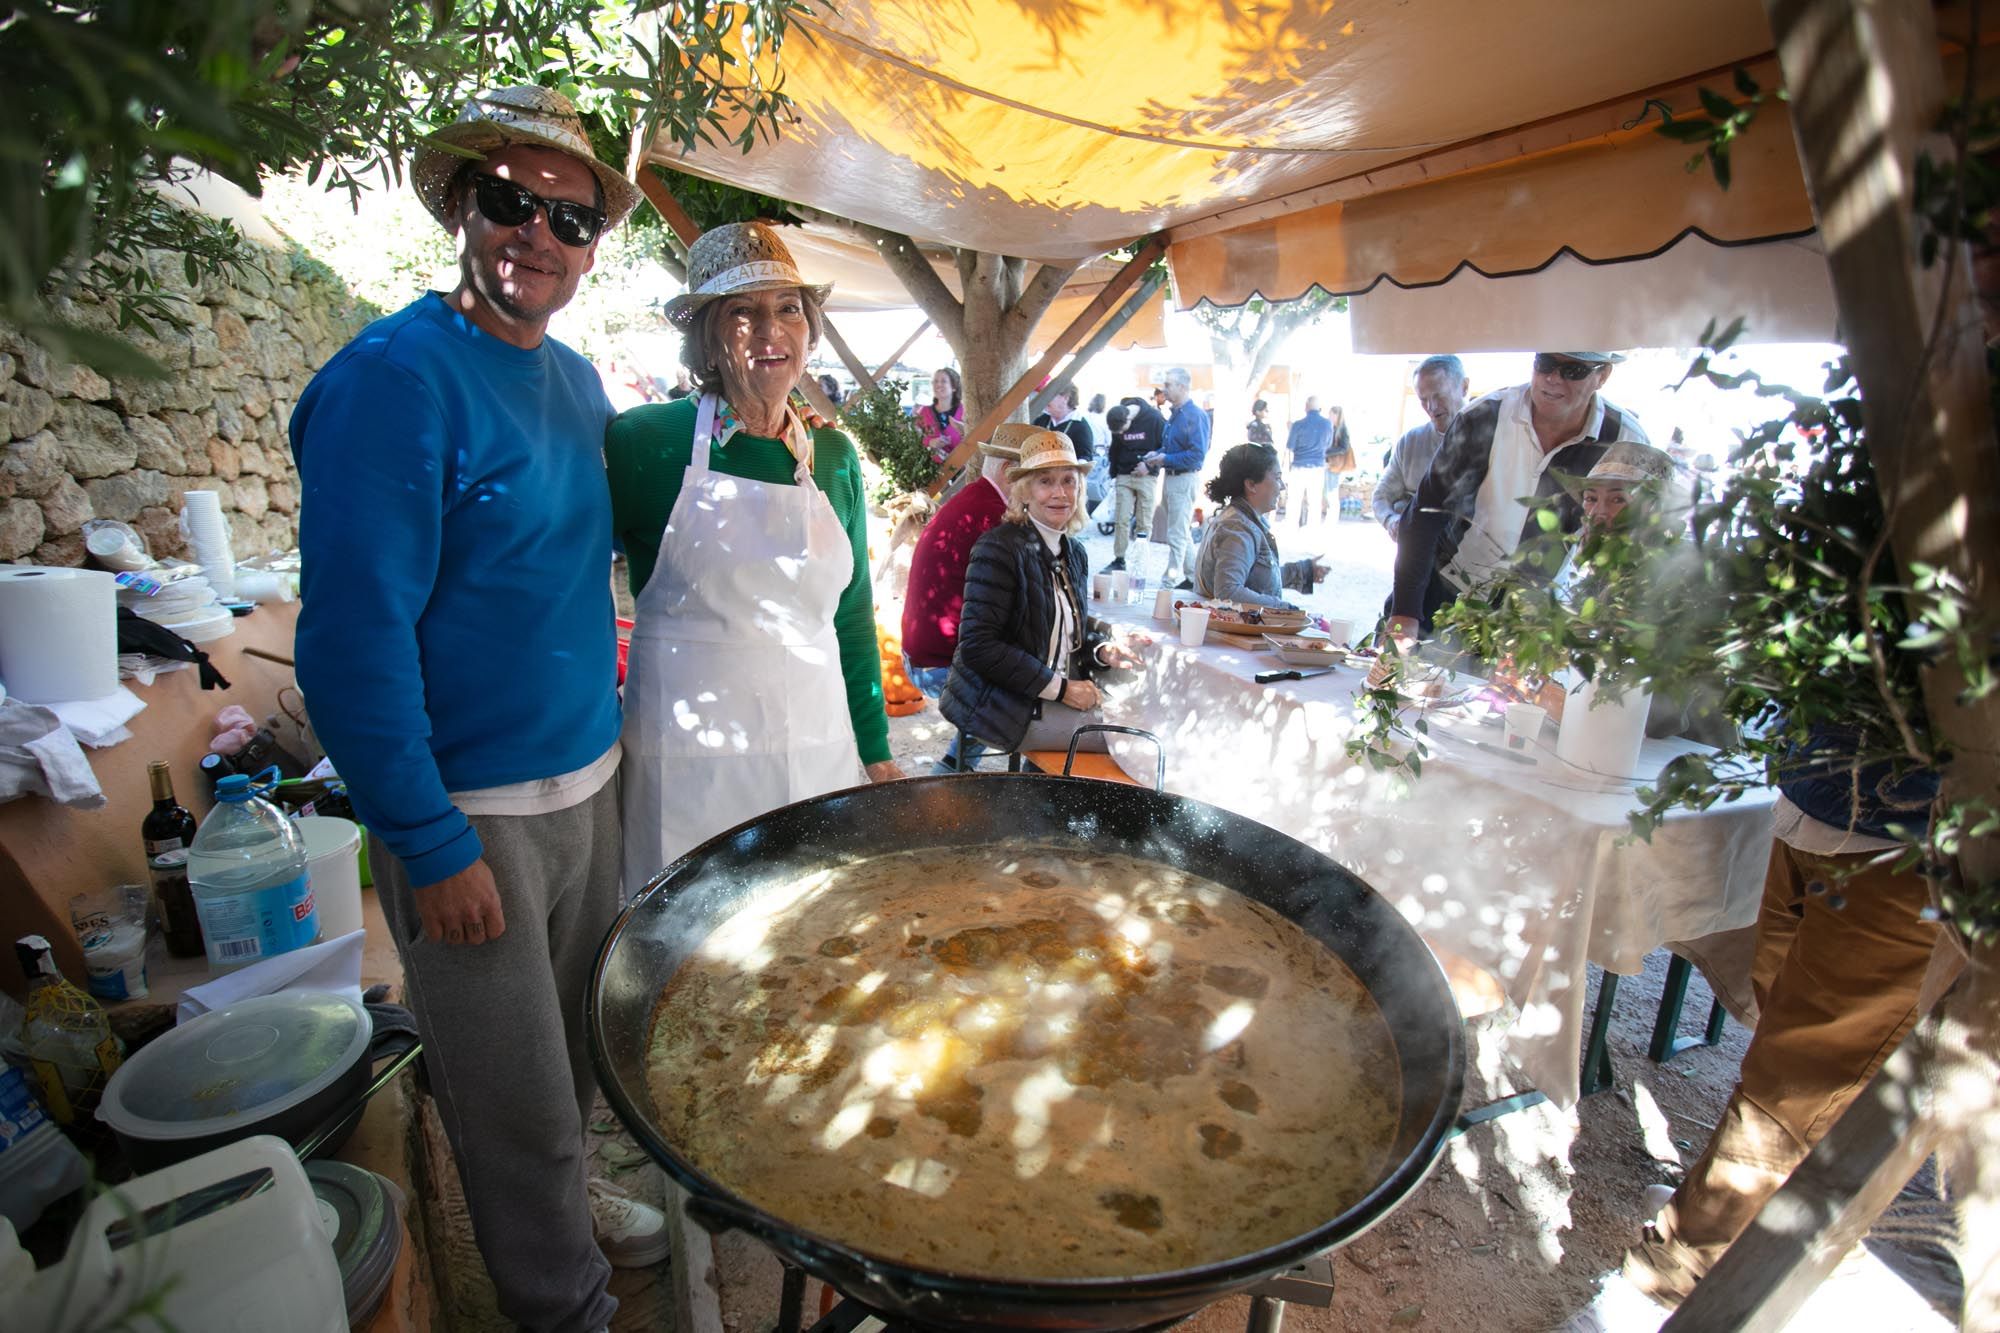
x,y
754,679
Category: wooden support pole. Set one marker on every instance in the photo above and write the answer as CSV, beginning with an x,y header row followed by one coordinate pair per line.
x,y
657,194
855,366
1149,284
1828,1204
1120,283
908,343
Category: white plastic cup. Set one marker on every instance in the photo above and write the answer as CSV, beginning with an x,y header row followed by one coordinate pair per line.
x,y
1340,631
334,869
115,548
261,585
1524,725
1163,604
1100,587
1121,587
1194,626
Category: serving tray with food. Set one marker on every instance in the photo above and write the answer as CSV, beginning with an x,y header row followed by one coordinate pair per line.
x,y
1307,650
1253,621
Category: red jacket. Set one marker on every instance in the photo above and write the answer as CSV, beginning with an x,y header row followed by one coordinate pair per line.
x,y
937,572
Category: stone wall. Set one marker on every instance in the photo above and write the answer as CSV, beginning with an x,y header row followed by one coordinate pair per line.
x,y
80,446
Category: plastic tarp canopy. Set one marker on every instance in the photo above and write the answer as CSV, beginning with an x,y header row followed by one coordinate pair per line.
x,y
1328,142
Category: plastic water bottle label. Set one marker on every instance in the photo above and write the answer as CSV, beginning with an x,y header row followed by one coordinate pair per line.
x,y
261,923
19,1112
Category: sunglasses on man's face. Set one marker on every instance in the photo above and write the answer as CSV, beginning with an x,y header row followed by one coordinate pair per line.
x,y
1569,370
506,204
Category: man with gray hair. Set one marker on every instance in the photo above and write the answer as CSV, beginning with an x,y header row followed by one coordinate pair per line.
x,y
448,441
1441,393
1180,456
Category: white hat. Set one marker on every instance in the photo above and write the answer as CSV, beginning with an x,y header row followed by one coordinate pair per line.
x,y
1044,449
733,258
539,117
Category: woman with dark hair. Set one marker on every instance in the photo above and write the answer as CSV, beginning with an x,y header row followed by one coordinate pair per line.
x,y
1238,560
1021,676
755,679
1259,430
942,423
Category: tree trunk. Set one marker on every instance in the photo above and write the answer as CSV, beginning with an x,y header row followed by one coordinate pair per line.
x,y
988,327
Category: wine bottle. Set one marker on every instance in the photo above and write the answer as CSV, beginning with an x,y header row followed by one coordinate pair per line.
x,y
169,831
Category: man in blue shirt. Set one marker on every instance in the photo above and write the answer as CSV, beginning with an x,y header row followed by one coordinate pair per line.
x,y
1310,438
1180,456
457,643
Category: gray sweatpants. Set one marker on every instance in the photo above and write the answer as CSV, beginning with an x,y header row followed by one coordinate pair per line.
x,y
502,1024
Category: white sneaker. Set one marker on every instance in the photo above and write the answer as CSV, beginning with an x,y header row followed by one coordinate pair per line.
x,y
631,1234
1652,1202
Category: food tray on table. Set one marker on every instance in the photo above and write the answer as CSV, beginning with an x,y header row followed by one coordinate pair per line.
x,y
1305,650
1253,621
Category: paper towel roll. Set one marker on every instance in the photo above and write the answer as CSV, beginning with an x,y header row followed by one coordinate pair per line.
x,y
207,532
58,633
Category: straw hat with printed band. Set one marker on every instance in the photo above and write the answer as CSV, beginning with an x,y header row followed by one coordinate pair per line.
x,y
537,117
739,257
1008,437
1042,450
1630,463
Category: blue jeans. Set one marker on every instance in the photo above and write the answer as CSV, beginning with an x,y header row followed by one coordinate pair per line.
x,y
930,683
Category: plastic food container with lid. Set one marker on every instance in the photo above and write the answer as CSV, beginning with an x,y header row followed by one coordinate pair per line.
x,y
277,1064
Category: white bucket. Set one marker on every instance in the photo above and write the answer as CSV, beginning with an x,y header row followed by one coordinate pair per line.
x,y
1602,734
333,868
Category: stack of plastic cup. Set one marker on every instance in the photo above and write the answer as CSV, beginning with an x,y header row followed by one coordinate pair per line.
x,y
207,531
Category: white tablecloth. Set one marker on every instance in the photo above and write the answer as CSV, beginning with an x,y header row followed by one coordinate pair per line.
x,y
1524,870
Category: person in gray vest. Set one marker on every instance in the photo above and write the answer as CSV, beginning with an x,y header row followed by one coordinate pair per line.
x,y
1441,393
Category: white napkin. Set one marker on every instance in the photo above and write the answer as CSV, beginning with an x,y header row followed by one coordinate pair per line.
x,y
100,722
39,757
333,965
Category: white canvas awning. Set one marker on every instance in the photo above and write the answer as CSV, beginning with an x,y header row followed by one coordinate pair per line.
x,y
1329,142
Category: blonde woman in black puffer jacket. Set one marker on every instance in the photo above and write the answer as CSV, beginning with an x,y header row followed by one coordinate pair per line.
x,y
1022,676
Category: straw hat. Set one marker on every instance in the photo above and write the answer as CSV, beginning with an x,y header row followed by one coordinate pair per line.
x,y
738,257
538,117
1630,461
1042,449
1008,437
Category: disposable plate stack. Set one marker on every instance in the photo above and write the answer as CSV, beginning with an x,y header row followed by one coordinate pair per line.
x,y
187,606
207,531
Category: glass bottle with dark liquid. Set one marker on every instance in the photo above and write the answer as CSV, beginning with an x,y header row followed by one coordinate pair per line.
x,y
168,830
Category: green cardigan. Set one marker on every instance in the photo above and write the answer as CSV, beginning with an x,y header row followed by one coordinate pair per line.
x,y
647,453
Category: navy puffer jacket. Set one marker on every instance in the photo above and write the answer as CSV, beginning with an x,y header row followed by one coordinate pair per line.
x,y
998,670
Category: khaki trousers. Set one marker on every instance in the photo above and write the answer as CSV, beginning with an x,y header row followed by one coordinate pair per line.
x,y
1131,510
1836,993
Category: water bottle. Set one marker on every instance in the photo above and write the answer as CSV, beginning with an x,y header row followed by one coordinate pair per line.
x,y
248,871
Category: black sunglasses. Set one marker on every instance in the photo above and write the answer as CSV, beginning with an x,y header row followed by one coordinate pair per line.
x,y
1546,364
506,204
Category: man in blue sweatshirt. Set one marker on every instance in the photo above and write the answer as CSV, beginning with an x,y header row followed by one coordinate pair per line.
x,y
1180,457
456,641
1308,441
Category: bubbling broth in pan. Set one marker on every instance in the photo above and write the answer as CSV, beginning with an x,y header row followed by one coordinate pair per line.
x,y
1026,1062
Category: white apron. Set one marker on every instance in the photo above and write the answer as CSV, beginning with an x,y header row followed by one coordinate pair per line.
x,y
734,699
